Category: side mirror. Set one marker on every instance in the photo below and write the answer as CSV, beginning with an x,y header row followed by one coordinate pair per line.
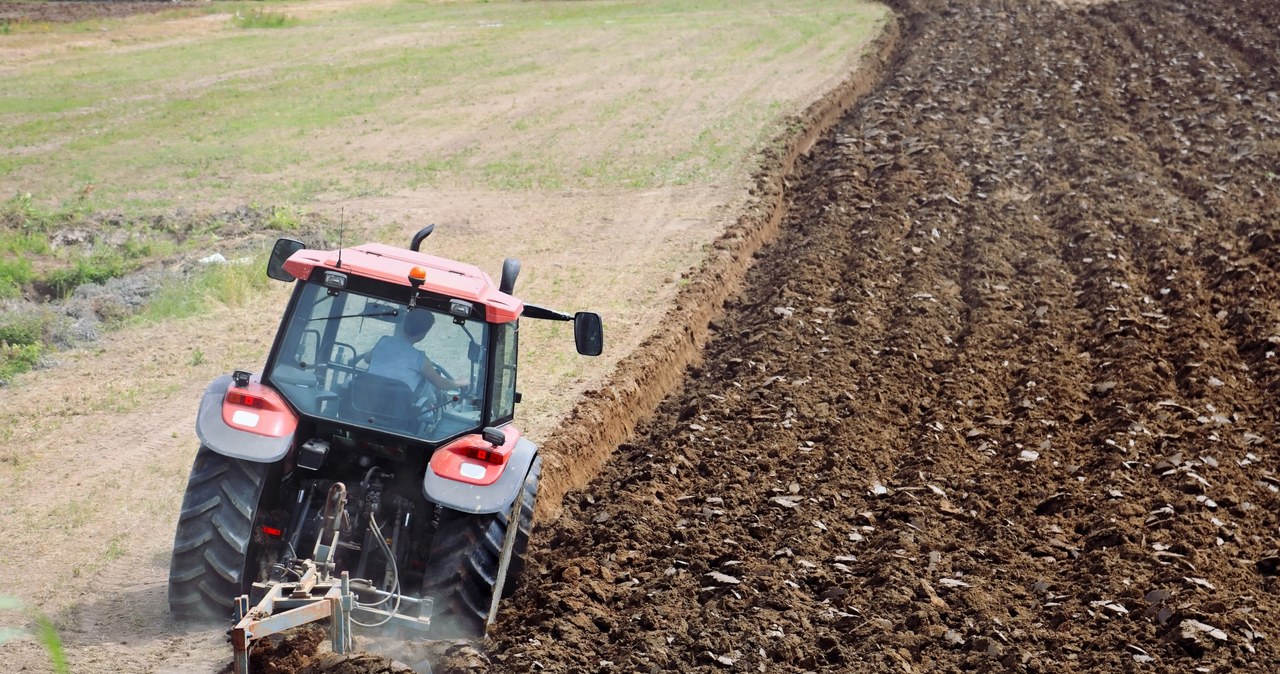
x,y
588,333
281,252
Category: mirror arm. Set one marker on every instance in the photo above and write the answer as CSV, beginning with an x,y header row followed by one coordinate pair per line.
x,y
543,313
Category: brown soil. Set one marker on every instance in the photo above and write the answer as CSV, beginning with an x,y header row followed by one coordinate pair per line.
x,y
1002,396
64,12
285,655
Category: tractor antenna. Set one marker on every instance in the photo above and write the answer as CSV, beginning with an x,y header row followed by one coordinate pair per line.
x,y
342,224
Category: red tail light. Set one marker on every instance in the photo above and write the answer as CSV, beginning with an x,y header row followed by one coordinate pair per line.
x,y
272,532
241,398
488,456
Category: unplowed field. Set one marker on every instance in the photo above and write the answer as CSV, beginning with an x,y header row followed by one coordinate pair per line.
x,y
1004,394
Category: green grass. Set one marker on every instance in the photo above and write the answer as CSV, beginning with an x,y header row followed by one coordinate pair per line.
x,y
18,358
260,19
349,100
22,330
32,265
15,273
24,212
227,284
105,246
97,267
22,243
23,340
286,218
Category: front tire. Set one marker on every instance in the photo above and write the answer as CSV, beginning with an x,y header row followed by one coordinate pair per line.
x,y
213,545
466,555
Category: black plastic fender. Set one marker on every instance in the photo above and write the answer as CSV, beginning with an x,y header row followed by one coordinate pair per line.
x,y
215,434
469,498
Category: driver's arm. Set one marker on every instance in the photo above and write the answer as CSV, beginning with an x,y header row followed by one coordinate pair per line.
x,y
438,381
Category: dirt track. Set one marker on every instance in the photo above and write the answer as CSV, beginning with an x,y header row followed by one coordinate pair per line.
x,y
67,10
1003,394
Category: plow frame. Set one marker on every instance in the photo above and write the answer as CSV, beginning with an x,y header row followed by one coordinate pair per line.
x,y
315,596
289,605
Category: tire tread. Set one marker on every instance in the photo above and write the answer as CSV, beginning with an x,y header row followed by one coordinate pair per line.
x,y
215,527
463,567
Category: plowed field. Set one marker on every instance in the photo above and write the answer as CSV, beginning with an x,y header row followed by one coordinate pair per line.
x,y
1003,394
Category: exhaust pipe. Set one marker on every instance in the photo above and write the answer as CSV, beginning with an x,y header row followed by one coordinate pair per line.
x,y
422,234
510,270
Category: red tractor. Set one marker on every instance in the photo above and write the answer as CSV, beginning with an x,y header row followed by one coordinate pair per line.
x,y
376,443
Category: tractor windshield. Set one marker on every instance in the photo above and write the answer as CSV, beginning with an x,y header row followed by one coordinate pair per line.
x,y
372,362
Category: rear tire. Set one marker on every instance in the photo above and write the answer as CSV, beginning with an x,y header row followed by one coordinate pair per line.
x,y
528,498
466,554
213,545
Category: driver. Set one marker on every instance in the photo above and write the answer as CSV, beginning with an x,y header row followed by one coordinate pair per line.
x,y
396,357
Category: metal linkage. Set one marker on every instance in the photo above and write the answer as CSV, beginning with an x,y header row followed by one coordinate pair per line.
x,y
289,605
316,595
313,597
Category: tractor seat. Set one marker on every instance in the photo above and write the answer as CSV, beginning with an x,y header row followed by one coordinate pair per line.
x,y
381,401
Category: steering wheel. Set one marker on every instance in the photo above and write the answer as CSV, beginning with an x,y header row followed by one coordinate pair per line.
x,y
432,401
453,392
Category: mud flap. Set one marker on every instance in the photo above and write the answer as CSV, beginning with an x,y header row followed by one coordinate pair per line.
x,y
478,500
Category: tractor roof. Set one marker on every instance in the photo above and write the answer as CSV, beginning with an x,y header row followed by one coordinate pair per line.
x,y
388,263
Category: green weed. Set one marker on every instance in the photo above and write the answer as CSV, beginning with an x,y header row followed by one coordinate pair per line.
x,y
22,212
18,358
260,19
20,207
96,268
228,284
115,548
22,340
22,243
138,248
22,330
43,631
285,218
14,274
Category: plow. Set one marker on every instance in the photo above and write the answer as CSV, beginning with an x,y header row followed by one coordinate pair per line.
x,y
315,595
371,474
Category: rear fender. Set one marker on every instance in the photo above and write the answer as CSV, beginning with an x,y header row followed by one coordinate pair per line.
x,y
456,481
260,430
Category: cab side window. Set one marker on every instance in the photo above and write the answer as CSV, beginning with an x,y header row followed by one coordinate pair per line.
x,y
503,401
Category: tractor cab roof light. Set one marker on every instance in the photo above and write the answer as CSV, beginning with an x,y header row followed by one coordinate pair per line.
x,y
335,279
460,308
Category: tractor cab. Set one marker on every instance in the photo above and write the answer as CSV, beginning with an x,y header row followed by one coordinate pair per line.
x,y
396,341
